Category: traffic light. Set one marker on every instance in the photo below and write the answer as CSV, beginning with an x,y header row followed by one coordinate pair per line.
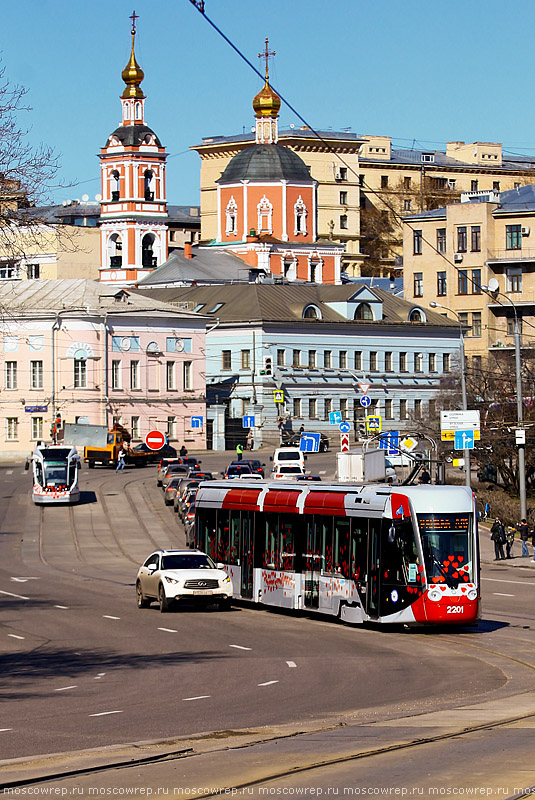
x,y
268,366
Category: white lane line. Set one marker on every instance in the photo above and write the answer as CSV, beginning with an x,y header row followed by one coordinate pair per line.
x,y
18,596
99,676
64,688
24,580
105,713
3,730
239,647
168,630
502,594
267,683
322,471
9,472
61,606
291,663
501,580
14,636
199,697
107,616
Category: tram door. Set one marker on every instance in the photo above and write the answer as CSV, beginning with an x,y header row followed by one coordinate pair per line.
x,y
374,572
312,563
247,554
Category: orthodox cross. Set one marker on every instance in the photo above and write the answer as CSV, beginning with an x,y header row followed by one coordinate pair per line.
x,y
133,17
266,54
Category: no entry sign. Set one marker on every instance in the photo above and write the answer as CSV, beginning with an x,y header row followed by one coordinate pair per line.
x,y
155,440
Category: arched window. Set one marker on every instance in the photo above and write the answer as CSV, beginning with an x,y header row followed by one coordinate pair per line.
x,y
115,250
311,312
231,213
138,110
363,311
115,185
416,315
127,110
147,258
315,271
148,179
300,217
265,216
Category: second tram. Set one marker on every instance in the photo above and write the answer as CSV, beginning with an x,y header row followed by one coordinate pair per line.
x,y
404,555
55,474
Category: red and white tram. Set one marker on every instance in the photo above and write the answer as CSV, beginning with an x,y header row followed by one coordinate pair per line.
x,y
55,474
405,554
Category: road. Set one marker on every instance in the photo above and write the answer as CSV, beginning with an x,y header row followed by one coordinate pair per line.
x,y
88,675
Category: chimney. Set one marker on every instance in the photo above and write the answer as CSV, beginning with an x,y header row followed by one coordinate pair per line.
x,y
187,250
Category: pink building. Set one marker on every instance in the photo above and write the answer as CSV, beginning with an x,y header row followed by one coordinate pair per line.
x,y
87,351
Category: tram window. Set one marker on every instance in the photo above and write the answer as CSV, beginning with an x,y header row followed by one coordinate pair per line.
x,y
359,549
220,552
341,546
323,542
234,541
206,530
288,541
39,473
271,552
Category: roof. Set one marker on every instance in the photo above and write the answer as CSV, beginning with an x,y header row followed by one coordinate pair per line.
x,y
205,266
184,214
297,133
80,296
521,199
245,303
266,162
132,135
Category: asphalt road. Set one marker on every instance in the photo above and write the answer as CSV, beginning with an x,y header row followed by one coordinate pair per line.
x,y
83,669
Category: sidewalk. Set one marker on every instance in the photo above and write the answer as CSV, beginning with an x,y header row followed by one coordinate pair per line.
x,y
486,547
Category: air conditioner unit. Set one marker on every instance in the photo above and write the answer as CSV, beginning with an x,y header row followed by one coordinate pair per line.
x,y
525,230
458,257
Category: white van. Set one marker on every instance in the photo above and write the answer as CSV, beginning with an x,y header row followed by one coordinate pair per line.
x,y
285,457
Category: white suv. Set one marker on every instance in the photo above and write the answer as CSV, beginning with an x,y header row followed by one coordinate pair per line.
x,y
172,576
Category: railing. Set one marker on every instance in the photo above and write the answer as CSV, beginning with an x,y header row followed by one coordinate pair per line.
x,y
527,254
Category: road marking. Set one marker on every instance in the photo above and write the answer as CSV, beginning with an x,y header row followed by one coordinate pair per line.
x,y
322,471
3,730
105,713
14,636
107,616
502,594
291,663
199,697
239,647
64,688
18,596
168,630
501,580
24,580
99,676
9,472
61,606
267,683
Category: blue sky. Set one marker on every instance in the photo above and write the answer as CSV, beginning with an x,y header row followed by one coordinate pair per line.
x,y
416,70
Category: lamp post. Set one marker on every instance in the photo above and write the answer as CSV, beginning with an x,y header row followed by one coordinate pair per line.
x,y
494,292
466,453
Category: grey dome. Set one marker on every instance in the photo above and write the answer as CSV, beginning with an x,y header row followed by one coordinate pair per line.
x,y
266,162
133,135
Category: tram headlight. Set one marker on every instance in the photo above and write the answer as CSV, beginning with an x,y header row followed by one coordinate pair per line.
x,y
472,594
434,595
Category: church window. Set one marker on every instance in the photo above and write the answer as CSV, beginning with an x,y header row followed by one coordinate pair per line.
x,y
265,216
315,271
300,217
127,110
231,214
147,257
290,269
115,251
148,184
115,184
138,110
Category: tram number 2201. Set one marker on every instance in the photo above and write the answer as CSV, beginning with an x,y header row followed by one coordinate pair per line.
x,y
454,610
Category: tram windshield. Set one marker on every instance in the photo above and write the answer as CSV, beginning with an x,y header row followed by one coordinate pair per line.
x,y
55,473
448,547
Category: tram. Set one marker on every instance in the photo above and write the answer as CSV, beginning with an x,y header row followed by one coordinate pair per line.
x,y
404,555
55,474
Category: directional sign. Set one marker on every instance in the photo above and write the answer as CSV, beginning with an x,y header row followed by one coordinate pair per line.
x,y
344,442
344,427
364,387
155,440
278,396
197,422
390,441
310,442
464,440
335,417
449,436
373,423
248,422
365,401
459,421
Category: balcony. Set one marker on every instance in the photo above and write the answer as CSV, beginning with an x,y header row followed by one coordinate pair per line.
x,y
525,254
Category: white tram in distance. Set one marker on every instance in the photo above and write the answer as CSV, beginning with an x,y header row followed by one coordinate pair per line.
x,y
404,555
55,474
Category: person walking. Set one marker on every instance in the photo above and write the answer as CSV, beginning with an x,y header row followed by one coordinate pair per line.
x,y
487,510
425,477
120,460
497,534
239,452
524,535
183,451
509,541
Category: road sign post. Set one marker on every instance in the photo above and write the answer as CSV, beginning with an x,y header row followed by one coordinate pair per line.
x,y
155,440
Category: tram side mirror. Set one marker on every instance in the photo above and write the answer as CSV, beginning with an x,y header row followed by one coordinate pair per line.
x,y
391,534
27,465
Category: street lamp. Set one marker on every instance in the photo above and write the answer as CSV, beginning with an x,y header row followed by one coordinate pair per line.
x,y
466,453
493,290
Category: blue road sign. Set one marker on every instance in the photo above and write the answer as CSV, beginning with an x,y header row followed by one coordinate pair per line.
x,y
374,423
365,401
345,427
197,422
390,441
248,422
464,440
335,417
310,442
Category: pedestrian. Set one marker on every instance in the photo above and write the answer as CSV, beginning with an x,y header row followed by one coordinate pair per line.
x,y
120,460
183,451
250,440
487,510
239,452
302,429
497,534
425,477
509,540
524,535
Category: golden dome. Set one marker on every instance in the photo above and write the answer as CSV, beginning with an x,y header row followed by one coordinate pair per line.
x,y
132,75
267,102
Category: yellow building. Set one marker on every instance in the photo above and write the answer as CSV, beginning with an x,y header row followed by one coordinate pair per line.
x,y
450,253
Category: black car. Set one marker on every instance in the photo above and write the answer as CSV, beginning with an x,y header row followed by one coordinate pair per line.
x,y
293,439
254,463
308,478
155,455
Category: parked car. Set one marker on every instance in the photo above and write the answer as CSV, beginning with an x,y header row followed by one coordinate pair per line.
x,y
199,475
308,478
174,471
185,487
254,463
287,471
237,469
173,576
170,491
185,502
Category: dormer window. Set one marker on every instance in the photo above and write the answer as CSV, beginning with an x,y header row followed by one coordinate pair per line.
x,y
300,217
416,315
311,312
149,139
265,216
363,311
231,213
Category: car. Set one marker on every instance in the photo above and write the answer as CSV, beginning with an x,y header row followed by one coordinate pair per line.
x,y
170,491
175,576
237,469
185,487
198,475
185,502
174,471
254,463
250,476
153,456
287,471
162,466
308,478
293,440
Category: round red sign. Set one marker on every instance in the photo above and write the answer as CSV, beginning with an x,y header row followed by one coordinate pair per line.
x,y
155,440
